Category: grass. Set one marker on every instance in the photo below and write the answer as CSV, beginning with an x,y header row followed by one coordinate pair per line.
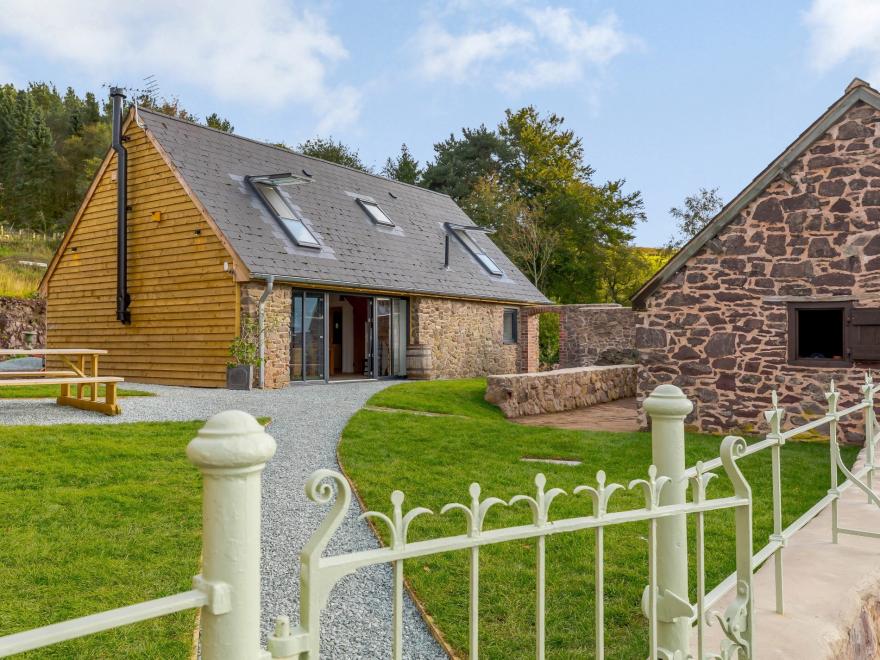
x,y
95,517
51,391
433,459
17,280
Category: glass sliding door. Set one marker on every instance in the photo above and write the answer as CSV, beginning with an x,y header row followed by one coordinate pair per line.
x,y
307,332
313,339
400,334
296,337
383,348
379,324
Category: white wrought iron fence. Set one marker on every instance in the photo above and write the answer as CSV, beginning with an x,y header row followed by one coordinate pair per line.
x,y
232,449
774,440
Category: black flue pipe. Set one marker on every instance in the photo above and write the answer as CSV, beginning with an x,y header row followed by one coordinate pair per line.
x,y
123,315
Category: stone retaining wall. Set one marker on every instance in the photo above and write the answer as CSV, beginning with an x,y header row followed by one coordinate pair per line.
x,y
18,315
563,389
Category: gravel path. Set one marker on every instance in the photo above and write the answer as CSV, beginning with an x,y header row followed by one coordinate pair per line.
x,y
306,424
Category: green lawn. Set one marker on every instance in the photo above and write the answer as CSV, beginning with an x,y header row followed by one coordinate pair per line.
x,y
434,459
52,391
95,517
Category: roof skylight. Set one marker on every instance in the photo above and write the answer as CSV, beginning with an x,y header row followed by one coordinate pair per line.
x,y
485,260
293,225
376,213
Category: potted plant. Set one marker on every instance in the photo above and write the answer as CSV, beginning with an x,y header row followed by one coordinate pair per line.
x,y
29,336
245,354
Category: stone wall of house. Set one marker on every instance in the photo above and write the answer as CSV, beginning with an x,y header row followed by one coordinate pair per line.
x,y
562,389
19,315
719,328
466,338
277,311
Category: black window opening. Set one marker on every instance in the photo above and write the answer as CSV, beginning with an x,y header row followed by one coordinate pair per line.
x,y
479,253
818,334
294,227
375,212
511,327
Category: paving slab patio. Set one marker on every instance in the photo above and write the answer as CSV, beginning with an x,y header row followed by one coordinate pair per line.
x,y
617,415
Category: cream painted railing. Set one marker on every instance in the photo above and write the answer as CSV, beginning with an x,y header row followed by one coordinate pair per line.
x,y
861,479
231,451
664,602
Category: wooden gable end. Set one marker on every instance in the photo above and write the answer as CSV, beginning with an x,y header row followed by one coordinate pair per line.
x,y
184,304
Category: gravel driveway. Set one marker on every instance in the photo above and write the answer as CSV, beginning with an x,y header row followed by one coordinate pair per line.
x,y
306,424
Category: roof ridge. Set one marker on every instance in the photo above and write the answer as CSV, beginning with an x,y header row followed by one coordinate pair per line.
x,y
162,115
858,90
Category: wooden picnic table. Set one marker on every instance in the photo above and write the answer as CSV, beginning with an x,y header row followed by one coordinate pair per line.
x,y
79,375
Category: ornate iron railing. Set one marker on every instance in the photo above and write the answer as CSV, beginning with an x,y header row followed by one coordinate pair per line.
x,y
231,451
774,440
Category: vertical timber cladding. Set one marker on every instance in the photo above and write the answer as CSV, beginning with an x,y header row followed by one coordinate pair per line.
x,y
183,304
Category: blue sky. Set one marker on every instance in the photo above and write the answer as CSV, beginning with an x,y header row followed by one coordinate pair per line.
x,y
672,96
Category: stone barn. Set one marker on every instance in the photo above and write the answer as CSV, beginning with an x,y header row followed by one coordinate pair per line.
x,y
782,288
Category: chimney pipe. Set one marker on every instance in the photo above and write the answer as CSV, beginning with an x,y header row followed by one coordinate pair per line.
x,y
122,298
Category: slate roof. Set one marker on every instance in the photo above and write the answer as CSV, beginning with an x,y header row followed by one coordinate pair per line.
x,y
857,91
355,251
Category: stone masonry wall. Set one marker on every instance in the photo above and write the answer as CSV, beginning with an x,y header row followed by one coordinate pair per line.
x,y
466,337
593,334
596,334
562,389
718,328
277,310
18,315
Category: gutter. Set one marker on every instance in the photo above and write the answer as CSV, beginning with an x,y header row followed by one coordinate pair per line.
x,y
328,285
261,326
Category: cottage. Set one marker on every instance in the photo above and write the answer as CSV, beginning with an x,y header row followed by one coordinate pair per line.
x,y
185,231
782,288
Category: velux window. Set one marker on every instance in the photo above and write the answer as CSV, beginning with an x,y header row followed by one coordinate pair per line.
x,y
375,212
267,187
478,252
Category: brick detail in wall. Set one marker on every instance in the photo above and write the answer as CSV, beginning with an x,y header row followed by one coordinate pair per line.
x,y
277,311
718,328
466,338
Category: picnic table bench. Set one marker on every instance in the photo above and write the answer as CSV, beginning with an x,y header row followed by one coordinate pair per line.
x,y
76,375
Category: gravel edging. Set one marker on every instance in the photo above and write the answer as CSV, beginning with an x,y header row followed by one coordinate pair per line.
x,y
307,422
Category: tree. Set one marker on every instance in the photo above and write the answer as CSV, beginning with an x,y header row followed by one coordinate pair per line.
x,y
167,106
220,123
623,269
459,163
334,151
550,174
696,213
403,168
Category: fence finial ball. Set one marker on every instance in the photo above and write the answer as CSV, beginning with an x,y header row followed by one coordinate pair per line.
x,y
231,439
668,401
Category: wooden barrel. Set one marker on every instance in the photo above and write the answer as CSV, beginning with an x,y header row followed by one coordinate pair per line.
x,y
418,362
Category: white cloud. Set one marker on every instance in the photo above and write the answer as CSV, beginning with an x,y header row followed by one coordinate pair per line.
x,y
842,30
529,47
263,51
456,57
